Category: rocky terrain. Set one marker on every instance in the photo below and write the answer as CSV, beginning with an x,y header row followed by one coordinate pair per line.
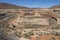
x,y
22,23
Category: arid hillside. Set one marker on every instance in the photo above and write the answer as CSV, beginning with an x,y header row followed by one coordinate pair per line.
x,y
12,6
9,6
56,6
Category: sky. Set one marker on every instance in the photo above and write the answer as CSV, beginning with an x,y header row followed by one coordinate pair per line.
x,y
33,3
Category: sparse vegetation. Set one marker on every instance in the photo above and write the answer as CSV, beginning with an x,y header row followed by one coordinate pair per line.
x,y
52,38
57,34
57,27
29,34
